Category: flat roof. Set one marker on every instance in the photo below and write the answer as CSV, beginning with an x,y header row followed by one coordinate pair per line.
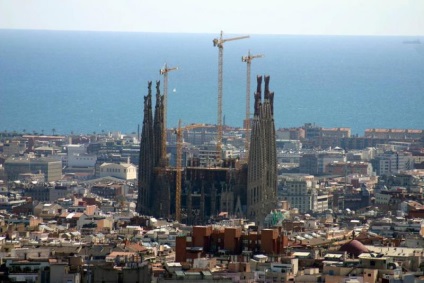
x,y
301,253
333,255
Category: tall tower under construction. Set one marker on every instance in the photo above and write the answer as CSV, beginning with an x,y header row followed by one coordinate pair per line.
x,y
153,178
146,162
262,165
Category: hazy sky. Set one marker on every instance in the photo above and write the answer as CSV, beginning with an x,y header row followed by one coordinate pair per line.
x,y
344,17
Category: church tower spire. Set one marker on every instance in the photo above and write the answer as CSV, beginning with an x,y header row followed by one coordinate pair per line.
x,y
262,166
146,160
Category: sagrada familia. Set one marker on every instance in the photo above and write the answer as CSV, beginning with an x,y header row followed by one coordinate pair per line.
x,y
241,190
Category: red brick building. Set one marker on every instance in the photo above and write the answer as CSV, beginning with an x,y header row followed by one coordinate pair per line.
x,y
229,240
348,168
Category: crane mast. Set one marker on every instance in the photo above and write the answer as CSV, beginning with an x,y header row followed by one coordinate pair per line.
x,y
248,59
219,42
164,71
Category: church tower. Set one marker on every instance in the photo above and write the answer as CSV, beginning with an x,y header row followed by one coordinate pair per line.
x,y
153,183
262,166
146,161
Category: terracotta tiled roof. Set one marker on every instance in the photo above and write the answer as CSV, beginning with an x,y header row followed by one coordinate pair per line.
x,y
134,247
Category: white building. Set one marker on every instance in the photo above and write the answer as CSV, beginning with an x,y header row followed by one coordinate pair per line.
x,y
125,171
77,156
392,162
82,160
301,193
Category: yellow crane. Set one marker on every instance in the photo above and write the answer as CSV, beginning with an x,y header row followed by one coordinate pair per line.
x,y
178,176
248,59
219,42
164,71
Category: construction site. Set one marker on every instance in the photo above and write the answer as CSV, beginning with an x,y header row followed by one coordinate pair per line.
x,y
195,192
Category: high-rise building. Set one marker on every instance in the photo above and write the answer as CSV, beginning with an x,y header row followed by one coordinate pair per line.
x,y
262,166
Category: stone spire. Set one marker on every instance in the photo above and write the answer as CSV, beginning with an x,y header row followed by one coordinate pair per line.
x,y
158,127
161,203
262,166
146,160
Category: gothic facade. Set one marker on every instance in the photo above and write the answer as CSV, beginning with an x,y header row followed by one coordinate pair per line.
x,y
242,191
153,177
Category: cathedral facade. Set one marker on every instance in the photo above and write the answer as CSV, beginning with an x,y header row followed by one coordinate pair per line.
x,y
248,191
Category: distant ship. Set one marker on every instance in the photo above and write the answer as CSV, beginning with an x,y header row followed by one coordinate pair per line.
x,y
416,41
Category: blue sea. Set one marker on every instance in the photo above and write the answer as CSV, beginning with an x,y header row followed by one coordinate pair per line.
x,y
86,82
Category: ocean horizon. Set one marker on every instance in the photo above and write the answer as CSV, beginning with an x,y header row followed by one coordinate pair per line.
x,y
86,82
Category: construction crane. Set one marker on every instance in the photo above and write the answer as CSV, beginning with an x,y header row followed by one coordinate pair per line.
x,y
164,71
178,176
248,59
219,42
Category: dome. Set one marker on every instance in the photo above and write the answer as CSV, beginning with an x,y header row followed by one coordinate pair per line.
x,y
354,247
